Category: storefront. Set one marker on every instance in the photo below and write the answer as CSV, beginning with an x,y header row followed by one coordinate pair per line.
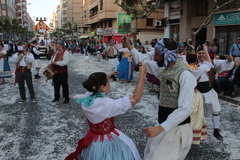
x,y
109,33
227,30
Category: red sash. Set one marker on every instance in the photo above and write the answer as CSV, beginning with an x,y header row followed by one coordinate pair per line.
x,y
100,129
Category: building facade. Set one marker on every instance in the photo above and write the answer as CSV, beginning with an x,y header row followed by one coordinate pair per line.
x,y
75,14
64,12
21,12
7,9
100,19
225,25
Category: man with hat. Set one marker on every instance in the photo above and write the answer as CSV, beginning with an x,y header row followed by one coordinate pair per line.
x,y
171,139
59,61
36,65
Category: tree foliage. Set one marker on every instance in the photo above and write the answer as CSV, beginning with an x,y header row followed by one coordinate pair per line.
x,y
12,28
142,9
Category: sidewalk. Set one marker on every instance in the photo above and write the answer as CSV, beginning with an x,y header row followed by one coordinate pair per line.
x,y
235,100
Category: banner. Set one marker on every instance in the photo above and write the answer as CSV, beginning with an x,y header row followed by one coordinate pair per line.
x,y
121,19
41,27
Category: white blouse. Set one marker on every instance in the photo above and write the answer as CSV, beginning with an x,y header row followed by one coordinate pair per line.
x,y
105,107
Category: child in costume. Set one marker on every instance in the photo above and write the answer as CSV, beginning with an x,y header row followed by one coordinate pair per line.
x,y
103,140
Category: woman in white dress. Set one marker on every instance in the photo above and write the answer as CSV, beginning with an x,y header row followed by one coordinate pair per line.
x,y
103,141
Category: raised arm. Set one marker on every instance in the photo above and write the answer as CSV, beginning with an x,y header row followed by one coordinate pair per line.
x,y
138,92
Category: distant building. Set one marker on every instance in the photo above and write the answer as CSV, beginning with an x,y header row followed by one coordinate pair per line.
x,y
7,9
64,11
74,13
100,18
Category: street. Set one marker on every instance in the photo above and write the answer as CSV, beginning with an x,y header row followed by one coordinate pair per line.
x,y
50,131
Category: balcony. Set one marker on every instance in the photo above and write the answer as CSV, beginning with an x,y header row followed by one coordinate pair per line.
x,y
93,11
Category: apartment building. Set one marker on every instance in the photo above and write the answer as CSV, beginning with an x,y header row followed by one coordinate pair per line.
x,y
7,9
64,11
21,12
75,14
100,19
54,22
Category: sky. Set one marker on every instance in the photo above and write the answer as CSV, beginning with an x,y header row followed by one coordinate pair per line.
x,y
42,8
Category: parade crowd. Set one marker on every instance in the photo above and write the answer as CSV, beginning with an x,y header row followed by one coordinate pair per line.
x,y
186,79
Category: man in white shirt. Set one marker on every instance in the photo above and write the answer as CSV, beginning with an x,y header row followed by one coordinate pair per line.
x,y
36,65
60,61
171,139
23,60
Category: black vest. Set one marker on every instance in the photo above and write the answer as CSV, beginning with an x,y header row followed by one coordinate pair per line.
x,y
164,112
34,54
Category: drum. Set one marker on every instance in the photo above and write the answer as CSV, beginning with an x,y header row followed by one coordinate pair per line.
x,y
50,72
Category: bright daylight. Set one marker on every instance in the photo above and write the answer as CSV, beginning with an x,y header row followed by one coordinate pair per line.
x,y
119,79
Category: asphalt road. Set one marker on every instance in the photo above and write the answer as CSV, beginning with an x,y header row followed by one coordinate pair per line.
x,y
49,131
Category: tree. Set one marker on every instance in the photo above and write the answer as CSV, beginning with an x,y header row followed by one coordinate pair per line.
x,y
141,9
218,4
10,27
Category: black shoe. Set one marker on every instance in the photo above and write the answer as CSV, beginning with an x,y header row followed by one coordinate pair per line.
x,y
217,135
22,101
66,101
33,100
37,77
114,78
55,100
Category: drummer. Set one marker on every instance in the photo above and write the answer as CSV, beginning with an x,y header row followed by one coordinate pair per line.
x,y
59,61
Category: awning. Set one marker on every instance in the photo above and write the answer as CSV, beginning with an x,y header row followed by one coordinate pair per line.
x,y
84,36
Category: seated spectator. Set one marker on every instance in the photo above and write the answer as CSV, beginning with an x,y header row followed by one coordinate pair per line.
x,y
233,78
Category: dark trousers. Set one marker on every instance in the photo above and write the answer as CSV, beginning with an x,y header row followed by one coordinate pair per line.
x,y
61,79
25,76
225,85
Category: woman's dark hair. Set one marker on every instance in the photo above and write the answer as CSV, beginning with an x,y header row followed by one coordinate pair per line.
x,y
170,43
94,81
1,45
191,58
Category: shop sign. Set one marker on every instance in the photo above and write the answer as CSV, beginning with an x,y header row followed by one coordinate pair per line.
x,y
123,18
99,31
108,31
227,18
92,34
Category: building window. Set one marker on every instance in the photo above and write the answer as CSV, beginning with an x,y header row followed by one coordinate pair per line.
x,y
110,23
232,5
64,11
202,8
129,3
101,4
149,22
3,2
4,13
64,19
85,14
64,5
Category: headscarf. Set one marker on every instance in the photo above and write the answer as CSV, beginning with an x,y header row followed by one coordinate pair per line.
x,y
169,55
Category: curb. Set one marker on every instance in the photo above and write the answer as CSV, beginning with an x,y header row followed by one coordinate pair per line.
x,y
236,102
